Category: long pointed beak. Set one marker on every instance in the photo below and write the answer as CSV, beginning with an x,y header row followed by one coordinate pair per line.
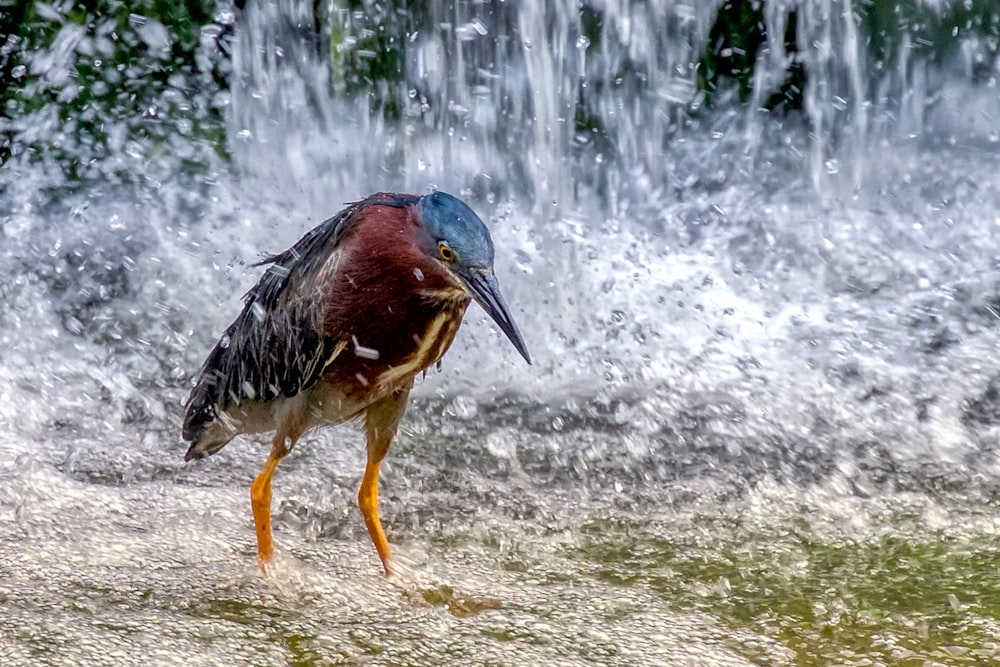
x,y
486,291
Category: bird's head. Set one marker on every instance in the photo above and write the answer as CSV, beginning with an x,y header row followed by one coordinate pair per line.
x,y
459,240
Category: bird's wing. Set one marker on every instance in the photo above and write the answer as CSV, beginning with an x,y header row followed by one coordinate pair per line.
x,y
276,347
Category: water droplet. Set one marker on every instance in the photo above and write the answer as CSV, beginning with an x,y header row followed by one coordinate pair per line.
x,y
832,166
364,352
582,42
464,407
618,318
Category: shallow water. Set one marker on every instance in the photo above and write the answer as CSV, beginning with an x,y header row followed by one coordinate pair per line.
x,y
761,426
498,568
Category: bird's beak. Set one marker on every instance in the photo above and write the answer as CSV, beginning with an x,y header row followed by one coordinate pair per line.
x,y
486,291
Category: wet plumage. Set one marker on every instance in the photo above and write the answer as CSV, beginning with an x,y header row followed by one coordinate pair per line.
x,y
338,327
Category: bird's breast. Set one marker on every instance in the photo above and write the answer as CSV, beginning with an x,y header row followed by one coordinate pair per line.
x,y
428,346
389,339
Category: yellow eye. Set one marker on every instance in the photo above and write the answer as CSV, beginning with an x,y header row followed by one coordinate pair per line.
x,y
447,254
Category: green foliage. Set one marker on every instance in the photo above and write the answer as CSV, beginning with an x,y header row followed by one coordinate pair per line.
x,y
368,51
733,45
97,86
890,30
85,81
736,38
931,33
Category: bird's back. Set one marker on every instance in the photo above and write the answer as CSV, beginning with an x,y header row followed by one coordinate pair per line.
x,y
268,351
274,346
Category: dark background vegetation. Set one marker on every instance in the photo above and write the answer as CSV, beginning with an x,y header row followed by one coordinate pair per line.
x,y
119,75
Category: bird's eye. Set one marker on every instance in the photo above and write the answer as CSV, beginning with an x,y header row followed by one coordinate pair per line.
x,y
447,254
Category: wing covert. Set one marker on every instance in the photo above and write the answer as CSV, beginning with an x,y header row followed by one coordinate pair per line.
x,y
277,346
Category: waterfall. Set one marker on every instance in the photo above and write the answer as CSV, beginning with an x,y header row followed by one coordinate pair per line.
x,y
662,231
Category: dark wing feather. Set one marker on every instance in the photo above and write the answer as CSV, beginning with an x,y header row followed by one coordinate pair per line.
x,y
275,347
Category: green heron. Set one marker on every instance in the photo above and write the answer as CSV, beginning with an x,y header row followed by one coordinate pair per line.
x,y
337,328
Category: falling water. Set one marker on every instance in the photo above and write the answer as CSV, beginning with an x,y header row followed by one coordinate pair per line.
x,y
762,422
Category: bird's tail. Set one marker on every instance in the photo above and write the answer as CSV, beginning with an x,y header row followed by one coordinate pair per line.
x,y
203,427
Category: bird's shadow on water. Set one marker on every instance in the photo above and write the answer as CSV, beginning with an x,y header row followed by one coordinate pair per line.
x,y
295,585
421,586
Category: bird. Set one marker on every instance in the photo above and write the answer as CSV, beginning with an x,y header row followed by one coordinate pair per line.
x,y
337,329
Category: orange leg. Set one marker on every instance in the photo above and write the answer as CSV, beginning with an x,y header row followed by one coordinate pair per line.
x,y
368,502
381,420
260,497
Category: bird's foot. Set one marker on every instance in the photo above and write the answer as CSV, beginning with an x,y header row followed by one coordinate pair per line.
x,y
266,565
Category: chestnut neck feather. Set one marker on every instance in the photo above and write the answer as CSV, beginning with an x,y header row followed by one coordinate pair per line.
x,y
387,296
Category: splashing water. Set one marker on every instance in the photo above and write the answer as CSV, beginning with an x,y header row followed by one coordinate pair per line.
x,y
761,425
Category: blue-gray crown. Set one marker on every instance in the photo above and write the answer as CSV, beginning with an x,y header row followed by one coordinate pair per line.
x,y
451,221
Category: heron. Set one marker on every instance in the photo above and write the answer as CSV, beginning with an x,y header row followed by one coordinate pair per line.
x,y
337,329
